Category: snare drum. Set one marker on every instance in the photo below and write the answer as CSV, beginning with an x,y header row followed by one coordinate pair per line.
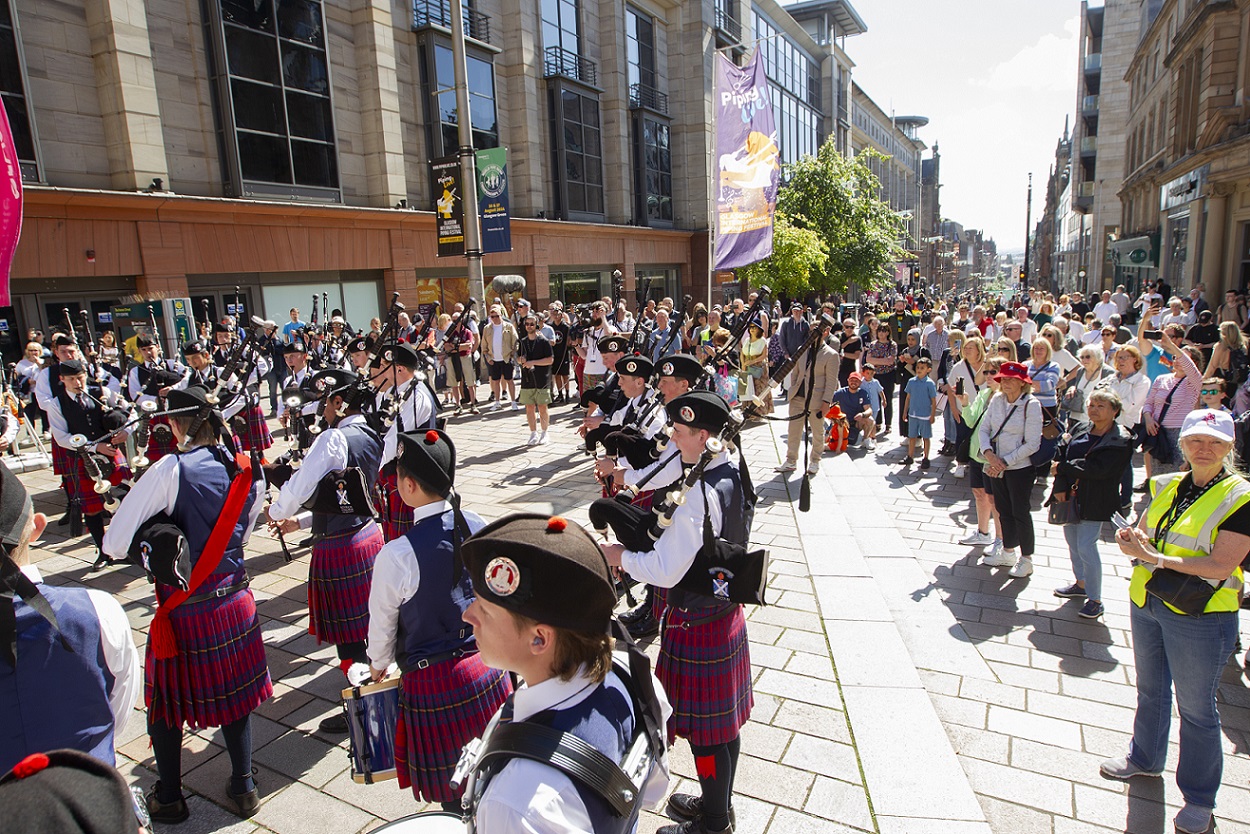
x,y
372,710
427,822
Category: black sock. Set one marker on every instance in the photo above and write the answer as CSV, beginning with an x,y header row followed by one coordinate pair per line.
x,y
735,747
355,652
95,526
714,766
238,735
452,807
167,749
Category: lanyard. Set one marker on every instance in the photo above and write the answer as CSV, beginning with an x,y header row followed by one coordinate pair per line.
x,y
1180,503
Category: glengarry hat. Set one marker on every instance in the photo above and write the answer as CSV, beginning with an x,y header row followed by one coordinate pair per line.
x,y
430,455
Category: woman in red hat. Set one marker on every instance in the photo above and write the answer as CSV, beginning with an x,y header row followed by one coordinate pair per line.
x,y
1010,432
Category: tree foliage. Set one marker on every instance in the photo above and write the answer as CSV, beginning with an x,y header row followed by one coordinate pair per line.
x,y
836,198
798,252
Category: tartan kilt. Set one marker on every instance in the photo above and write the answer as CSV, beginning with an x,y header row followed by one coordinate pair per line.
x,y
257,435
220,673
157,449
706,671
339,577
62,459
441,709
397,517
78,483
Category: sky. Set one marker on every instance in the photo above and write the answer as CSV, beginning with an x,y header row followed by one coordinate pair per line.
x,y
996,79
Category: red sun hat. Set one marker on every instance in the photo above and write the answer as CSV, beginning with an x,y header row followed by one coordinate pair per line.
x,y
1013,370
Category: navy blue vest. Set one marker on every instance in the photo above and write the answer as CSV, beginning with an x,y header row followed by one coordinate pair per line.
x,y
56,698
605,719
431,622
364,450
203,482
87,421
724,485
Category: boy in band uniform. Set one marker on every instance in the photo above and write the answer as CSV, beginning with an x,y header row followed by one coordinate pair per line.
x,y
418,410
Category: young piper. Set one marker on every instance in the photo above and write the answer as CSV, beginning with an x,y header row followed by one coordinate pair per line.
x,y
920,411
544,610
419,595
417,410
705,662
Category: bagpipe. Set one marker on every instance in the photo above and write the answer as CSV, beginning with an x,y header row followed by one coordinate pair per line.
x,y
294,398
739,330
101,468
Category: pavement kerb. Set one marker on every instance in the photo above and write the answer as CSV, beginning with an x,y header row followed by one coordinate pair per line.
x,y
895,729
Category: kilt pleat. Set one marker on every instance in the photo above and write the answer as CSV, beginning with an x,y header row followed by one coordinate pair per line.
x,y
220,673
397,517
257,435
706,671
78,484
62,459
339,577
441,709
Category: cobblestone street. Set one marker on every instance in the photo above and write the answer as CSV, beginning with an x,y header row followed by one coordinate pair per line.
x,y
899,687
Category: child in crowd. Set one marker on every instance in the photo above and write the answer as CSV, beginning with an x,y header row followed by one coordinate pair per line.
x,y
876,394
1212,394
919,407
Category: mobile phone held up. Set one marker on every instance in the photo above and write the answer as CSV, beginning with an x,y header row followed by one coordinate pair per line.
x,y
1153,334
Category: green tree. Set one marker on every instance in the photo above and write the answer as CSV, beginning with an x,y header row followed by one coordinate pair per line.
x,y
798,253
836,197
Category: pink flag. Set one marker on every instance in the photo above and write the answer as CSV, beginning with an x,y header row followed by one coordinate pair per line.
x,y
10,204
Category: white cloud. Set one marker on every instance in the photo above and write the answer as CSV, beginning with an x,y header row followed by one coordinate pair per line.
x,y
1047,66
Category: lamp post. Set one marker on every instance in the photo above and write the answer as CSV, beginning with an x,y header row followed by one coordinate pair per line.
x,y
468,160
1028,225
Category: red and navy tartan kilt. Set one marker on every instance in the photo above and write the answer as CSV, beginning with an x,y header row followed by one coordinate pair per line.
x,y
219,674
441,709
62,459
397,517
157,448
257,436
706,671
339,577
78,483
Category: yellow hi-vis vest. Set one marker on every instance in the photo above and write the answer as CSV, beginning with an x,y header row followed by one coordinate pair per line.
x,y
1193,534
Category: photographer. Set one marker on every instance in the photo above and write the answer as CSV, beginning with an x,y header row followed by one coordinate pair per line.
x,y
594,370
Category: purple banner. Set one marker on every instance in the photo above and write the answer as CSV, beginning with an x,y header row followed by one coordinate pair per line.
x,y
10,204
748,167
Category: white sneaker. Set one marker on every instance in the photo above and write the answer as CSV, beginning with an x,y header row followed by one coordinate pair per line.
x,y
515,406
1022,568
533,441
1004,558
785,467
494,406
959,470
858,444
542,438
977,539
870,444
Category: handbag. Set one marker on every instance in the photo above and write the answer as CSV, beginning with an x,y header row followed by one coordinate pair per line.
x,y
1185,592
1159,445
1063,513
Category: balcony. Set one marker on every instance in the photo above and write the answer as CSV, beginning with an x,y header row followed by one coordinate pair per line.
x,y
1083,196
640,95
435,13
1093,63
558,61
1089,106
728,28
1089,145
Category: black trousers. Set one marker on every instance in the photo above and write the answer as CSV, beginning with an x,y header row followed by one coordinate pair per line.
x,y
887,380
1013,497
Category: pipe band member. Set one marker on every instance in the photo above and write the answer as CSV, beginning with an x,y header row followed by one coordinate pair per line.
x,y
416,604
705,662
46,386
255,431
544,611
205,660
299,378
418,410
334,482
151,380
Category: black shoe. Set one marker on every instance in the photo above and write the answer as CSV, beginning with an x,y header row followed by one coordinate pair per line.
x,y
1144,486
643,627
635,614
694,826
247,802
924,463
63,520
908,461
686,806
170,813
334,725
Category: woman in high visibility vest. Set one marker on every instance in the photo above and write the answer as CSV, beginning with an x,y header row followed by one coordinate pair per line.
x,y
1186,585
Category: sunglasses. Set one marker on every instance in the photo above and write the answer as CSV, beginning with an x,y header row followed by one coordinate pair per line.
x,y
1006,350
1210,392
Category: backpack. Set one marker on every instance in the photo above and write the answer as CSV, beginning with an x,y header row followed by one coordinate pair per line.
x,y
1238,369
839,433
1241,442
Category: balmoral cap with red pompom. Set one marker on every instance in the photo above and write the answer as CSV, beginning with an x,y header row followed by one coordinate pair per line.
x,y
543,567
430,456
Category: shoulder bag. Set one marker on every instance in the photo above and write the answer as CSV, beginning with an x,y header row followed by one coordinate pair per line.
x,y
1159,445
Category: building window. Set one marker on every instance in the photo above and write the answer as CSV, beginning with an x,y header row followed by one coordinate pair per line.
x,y
576,172
560,26
578,287
796,87
661,283
272,77
653,170
639,48
438,84
13,90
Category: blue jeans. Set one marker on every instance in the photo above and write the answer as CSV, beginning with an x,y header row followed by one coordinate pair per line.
x,y
1186,653
949,417
1083,549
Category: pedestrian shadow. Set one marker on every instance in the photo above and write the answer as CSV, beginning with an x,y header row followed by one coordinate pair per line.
x,y
1147,811
1095,641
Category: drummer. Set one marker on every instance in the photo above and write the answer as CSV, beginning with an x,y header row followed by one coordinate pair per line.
x,y
544,610
420,592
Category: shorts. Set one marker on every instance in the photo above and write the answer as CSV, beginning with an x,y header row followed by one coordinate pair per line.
x,y
534,396
919,427
977,479
500,370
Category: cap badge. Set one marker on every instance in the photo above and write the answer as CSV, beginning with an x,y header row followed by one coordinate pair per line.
x,y
389,356
502,576
630,367
667,369
687,414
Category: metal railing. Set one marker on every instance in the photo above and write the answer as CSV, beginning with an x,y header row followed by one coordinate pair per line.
x,y
560,61
438,13
1089,104
729,25
1093,62
1089,144
641,95
1085,189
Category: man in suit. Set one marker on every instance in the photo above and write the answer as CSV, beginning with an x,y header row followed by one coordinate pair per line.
x,y
826,383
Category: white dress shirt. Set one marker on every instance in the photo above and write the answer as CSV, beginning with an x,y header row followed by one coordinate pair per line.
x,y
327,454
60,428
135,389
416,409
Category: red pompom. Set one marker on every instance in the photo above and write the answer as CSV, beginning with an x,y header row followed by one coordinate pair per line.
x,y
556,524
30,765
431,436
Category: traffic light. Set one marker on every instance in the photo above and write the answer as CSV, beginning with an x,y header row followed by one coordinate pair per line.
x,y
915,273
1024,274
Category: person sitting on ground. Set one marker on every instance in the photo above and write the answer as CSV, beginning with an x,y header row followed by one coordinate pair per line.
x,y
857,406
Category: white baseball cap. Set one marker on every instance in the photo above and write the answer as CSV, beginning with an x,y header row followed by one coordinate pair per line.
x,y
1209,422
